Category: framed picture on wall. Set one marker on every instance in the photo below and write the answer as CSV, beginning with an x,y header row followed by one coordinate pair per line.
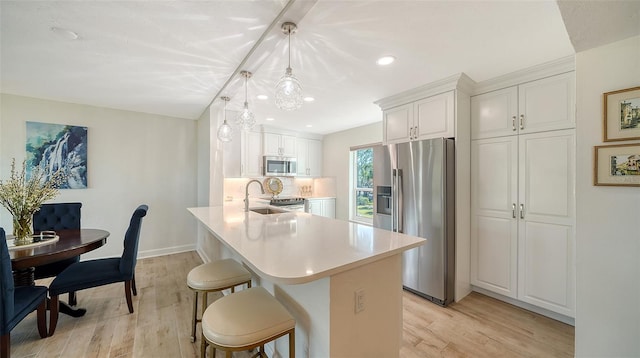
x,y
617,165
58,146
622,114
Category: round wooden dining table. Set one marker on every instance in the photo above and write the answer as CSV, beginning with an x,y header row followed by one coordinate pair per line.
x,y
70,243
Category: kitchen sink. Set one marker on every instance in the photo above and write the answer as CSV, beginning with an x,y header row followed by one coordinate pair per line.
x,y
266,211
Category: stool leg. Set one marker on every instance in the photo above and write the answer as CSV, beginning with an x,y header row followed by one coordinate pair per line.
x,y
203,346
205,303
292,343
194,321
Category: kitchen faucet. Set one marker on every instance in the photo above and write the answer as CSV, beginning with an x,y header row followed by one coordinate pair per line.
x,y
246,193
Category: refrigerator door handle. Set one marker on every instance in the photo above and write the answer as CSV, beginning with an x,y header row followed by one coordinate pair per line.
x,y
394,204
400,207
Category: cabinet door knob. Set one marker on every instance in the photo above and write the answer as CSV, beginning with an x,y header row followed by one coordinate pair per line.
x,y
513,125
522,121
513,209
521,211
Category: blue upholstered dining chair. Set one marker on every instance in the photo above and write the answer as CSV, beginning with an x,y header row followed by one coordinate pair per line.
x,y
17,302
93,273
57,216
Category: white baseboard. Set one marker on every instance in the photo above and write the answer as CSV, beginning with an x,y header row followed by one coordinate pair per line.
x,y
529,307
165,251
203,255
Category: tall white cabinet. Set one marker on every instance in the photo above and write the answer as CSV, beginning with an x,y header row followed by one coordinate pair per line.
x,y
523,192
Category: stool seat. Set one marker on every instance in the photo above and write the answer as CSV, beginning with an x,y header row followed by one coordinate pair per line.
x,y
246,318
216,275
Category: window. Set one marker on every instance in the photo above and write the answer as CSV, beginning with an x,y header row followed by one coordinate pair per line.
x,y
362,185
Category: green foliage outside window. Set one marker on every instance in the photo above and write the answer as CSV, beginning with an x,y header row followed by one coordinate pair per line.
x,y
364,180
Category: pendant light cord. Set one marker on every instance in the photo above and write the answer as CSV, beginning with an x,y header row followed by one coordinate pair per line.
x,y
245,89
289,48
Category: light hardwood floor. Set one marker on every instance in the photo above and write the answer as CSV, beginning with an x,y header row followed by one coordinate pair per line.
x,y
478,326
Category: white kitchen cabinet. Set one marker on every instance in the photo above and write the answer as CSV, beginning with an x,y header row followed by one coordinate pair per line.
x,y
243,156
494,230
251,154
535,106
322,207
523,218
431,117
279,145
309,154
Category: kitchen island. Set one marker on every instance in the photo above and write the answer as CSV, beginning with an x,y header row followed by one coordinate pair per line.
x,y
341,281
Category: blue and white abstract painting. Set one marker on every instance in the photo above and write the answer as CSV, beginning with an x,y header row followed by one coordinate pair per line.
x,y
55,146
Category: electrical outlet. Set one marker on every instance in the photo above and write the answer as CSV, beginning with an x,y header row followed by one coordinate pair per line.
x,y
359,300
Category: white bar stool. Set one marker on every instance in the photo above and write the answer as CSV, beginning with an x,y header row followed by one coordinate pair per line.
x,y
246,320
211,277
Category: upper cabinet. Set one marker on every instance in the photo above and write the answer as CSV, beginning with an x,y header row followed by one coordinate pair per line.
x,y
535,106
251,154
431,117
279,145
243,156
436,110
309,154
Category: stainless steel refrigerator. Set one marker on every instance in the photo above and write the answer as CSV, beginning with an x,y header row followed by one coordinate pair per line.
x,y
414,193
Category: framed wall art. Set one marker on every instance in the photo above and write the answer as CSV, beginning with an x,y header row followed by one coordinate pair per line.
x,y
617,165
55,146
622,115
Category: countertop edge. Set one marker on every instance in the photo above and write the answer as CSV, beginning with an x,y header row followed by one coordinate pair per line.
x,y
307,278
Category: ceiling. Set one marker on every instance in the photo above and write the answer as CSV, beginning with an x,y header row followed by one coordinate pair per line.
x,y
175,57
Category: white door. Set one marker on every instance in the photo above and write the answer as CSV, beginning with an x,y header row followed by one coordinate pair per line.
x,y
398,123
329,208
314,206
314,157
252,156
547,220
434,117
272,144
547,104
494,226
288,145
494,114
302,148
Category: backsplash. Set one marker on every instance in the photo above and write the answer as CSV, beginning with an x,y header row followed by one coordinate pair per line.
x,y
307,187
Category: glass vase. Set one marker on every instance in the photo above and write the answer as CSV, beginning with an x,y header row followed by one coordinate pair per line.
x,y
22,229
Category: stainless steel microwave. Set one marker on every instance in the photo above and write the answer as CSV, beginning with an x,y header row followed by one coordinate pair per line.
x,y
280,166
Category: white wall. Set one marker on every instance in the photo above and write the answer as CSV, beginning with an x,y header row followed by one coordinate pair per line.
x,y
335,149
133,158
607,236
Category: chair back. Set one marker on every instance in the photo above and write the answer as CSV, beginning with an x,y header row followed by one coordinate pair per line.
x,y
131,239
6,285
57,216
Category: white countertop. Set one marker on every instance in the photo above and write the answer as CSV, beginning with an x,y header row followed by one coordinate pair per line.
x,y
295,247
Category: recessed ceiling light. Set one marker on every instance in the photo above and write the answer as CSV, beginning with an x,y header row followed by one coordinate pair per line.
x,y
309,99
262,96
385,60
269,119
308,126
67,34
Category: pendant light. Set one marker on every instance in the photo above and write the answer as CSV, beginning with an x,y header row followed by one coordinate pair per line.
x,y
225,132
288,89
246,120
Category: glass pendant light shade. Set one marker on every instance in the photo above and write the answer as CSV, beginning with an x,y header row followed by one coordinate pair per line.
x,y
225,132
246,120
288,90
